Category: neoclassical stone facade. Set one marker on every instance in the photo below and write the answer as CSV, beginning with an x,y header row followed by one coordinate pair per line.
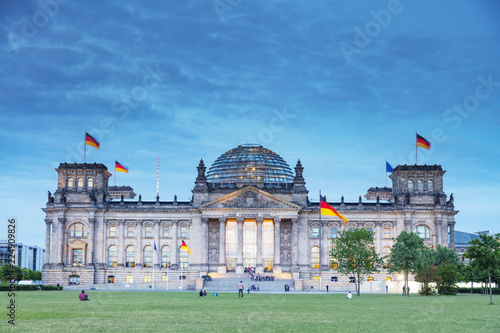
x,y
249,211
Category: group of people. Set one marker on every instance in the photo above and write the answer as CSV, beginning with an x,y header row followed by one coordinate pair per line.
x,y
203,293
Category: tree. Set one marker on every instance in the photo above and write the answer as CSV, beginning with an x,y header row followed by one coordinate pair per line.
x,y
355,254
484,252
448,272
427,271
10,272
406,255
444,254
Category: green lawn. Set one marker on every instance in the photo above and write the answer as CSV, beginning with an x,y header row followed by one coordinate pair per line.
x,y
51,311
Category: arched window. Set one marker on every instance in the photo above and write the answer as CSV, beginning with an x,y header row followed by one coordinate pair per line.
x,y
80,182
430,185
386,252
165,256
410,185
130,256
77,230
183,258
315,257
148,256
71,182
420,183
423,231
90,182
112,256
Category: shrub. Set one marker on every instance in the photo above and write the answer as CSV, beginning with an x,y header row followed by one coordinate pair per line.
x,y
21,287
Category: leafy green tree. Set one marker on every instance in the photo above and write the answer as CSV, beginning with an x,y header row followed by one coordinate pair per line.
x,y
355,254
444,254
484,252
406,255
427,271
8,272
449,276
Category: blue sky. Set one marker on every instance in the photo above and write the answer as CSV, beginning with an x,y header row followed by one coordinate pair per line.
x,y
342,85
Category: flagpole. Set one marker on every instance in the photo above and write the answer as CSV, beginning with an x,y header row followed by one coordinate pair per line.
x,y
158,178
320,236
114,174
416,149
385,173
85,147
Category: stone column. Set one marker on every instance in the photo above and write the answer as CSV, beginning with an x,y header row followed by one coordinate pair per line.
x,y
325,244
452,234
295,246
239,260
138,249
54,250
60,238
121,244
438,225
277,245
222,246
90,237
259,267
378,238
204,247
175,245
157,253
48,223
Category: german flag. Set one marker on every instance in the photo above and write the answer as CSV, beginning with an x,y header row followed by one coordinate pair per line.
x,y
421,142
185,247
328,210
120,167
90,141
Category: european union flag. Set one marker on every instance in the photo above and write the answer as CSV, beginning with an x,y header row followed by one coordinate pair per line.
x,y
388,167
155,246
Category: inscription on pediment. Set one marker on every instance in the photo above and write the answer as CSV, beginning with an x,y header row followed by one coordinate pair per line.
x,y
251,199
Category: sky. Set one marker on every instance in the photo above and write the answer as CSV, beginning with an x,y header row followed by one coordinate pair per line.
x,y
341,85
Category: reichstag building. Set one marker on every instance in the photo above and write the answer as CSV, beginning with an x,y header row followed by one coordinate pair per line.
x,y
249,210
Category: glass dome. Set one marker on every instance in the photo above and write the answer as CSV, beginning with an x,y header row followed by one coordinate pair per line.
x,y
250,163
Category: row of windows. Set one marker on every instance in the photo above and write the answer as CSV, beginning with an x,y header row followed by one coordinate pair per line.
x,y
420,185
148,231
421,230
147,256
79,182
333,264
333,232
75,279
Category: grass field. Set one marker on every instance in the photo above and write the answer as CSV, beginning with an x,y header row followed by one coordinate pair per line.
x,y
51,311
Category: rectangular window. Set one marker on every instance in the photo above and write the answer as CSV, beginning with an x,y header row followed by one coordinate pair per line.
x,y
370,229
184,232
129,279
111,279
334,279
130,231
148,232
387,233
333,233
74,279
315,232
166,231
164,277
352,279
77,257
112,231
147,278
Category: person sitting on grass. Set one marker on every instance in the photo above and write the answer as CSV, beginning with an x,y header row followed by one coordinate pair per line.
x,y
83,296
349,295
201,293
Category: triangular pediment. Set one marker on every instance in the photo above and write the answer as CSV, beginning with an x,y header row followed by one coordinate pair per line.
x,y
250,197
77,242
